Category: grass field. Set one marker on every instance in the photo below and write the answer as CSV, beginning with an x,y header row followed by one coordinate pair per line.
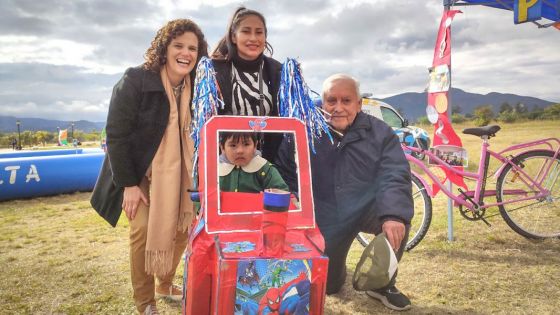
x,y
58,257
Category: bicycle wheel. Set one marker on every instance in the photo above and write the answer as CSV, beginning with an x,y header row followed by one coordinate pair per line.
x,y
537,218
421,220
420,145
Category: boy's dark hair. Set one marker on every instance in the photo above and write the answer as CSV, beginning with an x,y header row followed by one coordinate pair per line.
x,y
224,136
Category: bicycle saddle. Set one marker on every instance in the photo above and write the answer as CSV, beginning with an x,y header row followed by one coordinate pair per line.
x,y
482,131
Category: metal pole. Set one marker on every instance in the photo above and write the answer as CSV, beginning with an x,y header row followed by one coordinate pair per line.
x,y
450,237
72,132
19,135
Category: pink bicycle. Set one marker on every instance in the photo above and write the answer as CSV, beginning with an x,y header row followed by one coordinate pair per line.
x,y
527,187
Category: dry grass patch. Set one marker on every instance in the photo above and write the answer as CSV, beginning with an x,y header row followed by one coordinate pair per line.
x,y
59,257
60,261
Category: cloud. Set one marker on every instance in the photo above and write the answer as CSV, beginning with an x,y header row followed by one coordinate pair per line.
x,y
367,40
109,32
70,18
13,23
493,54
60,59
54,92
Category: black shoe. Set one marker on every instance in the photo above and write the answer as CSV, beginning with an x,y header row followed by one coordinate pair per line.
x,y
392,298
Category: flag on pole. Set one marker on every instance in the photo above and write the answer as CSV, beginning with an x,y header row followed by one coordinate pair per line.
x,y
63,137
438,95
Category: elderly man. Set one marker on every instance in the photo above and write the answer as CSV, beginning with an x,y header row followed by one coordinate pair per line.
x,y
361,183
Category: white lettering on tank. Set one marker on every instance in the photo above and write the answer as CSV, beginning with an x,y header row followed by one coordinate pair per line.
x,y
13,171
33,174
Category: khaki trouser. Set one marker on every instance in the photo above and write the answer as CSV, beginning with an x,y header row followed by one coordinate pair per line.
x,y
143,284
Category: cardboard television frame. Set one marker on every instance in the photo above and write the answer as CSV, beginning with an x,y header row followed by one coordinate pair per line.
x,y
219,220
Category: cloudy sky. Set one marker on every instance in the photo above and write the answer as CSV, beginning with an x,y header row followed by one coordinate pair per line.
x,y
59,58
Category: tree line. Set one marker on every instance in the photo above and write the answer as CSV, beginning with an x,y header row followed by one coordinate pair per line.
x,y
481,116
43,138
484,114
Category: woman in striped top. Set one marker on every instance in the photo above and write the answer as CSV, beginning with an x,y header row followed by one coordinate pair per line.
x,y
248,80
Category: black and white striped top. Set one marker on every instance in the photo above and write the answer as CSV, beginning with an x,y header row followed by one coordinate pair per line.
x,y
245,89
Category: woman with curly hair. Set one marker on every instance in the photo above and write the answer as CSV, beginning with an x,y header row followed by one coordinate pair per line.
x,y
147,169
249,81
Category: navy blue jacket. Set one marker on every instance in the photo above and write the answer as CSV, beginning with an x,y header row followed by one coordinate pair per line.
x,y
364,172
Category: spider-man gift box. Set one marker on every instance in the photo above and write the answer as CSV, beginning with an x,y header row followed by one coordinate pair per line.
x,y
246,255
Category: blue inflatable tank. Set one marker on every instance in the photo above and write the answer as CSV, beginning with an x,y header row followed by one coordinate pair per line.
x,y
43,173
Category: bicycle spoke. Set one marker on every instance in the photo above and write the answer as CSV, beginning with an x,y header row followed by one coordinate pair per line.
x,y
421,220
538,217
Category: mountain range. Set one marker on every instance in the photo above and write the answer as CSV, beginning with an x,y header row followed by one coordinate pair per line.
x,y
8,124
411,104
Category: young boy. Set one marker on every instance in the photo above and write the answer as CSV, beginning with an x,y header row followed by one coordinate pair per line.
x,y
242,169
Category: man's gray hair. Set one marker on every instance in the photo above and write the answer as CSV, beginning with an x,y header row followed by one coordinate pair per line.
x,y
340,77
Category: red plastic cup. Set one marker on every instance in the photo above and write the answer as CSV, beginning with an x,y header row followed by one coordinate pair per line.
x,y
274,219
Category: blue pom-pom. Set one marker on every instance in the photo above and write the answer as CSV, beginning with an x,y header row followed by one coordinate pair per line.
x,y
205,102
294,101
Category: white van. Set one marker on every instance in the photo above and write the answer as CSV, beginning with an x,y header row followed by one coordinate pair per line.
x,y
417,136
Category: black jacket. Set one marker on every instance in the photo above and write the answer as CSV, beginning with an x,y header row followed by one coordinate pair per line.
x,y
137,119
272,70
364,173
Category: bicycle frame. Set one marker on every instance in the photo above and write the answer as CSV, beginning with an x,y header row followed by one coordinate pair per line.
x,y
480,192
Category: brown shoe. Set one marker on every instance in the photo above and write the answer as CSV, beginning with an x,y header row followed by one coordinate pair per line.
x,y
173,293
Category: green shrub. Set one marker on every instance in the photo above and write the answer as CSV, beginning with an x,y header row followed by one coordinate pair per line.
x,y
552,112
458,118
483,115
508,116
423,120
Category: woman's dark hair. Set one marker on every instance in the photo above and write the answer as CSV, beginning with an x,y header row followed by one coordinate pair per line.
x,y
224,136
156,55
226,47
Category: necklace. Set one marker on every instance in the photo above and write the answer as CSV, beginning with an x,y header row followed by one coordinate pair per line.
x,y
178,89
